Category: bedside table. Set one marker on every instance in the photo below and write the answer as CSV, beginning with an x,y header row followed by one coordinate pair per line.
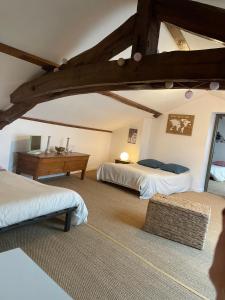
x,y
119,161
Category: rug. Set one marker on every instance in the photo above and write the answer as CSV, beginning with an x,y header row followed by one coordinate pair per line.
x,y
120,214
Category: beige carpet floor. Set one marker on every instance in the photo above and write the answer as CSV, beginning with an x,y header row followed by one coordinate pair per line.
x,y
216,187
120,214
90,266
111,257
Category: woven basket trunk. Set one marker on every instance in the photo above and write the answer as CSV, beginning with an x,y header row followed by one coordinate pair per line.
x,y
178,219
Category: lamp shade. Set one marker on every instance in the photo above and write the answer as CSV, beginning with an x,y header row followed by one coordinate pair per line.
x,y
124,156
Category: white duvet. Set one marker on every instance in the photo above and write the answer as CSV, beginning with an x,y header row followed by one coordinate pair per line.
x,y
146,180
218,173
22,199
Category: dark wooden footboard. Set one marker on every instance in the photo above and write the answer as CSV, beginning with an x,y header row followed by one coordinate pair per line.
x,y
67,224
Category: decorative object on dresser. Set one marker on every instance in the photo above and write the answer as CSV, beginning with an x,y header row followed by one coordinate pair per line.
x,y
67,145
46,164
35,144
180,124
119,161
48,145
59,150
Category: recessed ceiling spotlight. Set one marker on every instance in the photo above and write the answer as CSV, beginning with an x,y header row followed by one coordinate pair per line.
x,y
214,85
121,62
137,56
188,94
169,84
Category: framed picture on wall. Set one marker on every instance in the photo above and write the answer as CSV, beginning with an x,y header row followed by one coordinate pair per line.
x,y
132,136
180,124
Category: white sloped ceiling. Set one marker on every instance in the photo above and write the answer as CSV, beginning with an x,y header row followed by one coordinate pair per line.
x,y
54,29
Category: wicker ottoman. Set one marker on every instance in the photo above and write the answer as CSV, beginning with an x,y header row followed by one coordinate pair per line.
x,y
178,219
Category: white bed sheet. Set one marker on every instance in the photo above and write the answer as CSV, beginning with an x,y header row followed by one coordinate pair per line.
x,y
22,199
146,180
217,172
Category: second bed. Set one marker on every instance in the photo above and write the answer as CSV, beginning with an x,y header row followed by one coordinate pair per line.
x,y
147,181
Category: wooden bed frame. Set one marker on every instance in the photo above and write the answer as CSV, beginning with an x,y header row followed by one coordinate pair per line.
x,y
67,224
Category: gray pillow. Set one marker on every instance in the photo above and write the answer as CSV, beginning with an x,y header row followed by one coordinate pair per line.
x,y
174,168
151,163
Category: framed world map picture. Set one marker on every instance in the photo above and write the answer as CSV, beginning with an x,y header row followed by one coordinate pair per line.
x,y
180,124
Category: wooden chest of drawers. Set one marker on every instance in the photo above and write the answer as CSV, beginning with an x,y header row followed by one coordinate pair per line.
x,y
53,163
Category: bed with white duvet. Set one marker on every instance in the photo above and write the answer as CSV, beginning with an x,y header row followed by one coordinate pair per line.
x,y
23,199
147,181
217,172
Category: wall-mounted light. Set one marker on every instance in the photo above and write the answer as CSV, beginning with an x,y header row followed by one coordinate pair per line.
x,y
124,156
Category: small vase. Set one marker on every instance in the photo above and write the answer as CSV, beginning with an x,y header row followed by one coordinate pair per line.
x,y
48,146
67,145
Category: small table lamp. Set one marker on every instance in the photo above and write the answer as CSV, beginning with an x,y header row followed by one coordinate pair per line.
x,y
124,156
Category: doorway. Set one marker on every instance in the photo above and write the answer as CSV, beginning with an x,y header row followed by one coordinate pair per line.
x,y
215,176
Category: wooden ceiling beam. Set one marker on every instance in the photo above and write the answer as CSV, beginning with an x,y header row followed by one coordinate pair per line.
x,y
197,66
45,64
91,72
196,17
178,37
131,103
156,85
113,44
13,113
65,124
147,27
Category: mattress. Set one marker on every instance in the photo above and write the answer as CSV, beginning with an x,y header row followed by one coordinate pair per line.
x,y
22,198
146,180
217,173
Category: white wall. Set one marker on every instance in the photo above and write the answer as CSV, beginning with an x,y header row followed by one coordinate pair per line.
x,y
15,138
146,138
191,151
152,141
219,150
119,142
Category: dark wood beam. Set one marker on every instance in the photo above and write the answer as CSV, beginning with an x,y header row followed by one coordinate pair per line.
x,y
93,73
45,64
113,44
196,17
14,112
131,103
178,37
182,66
147,27
64,124
156,85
